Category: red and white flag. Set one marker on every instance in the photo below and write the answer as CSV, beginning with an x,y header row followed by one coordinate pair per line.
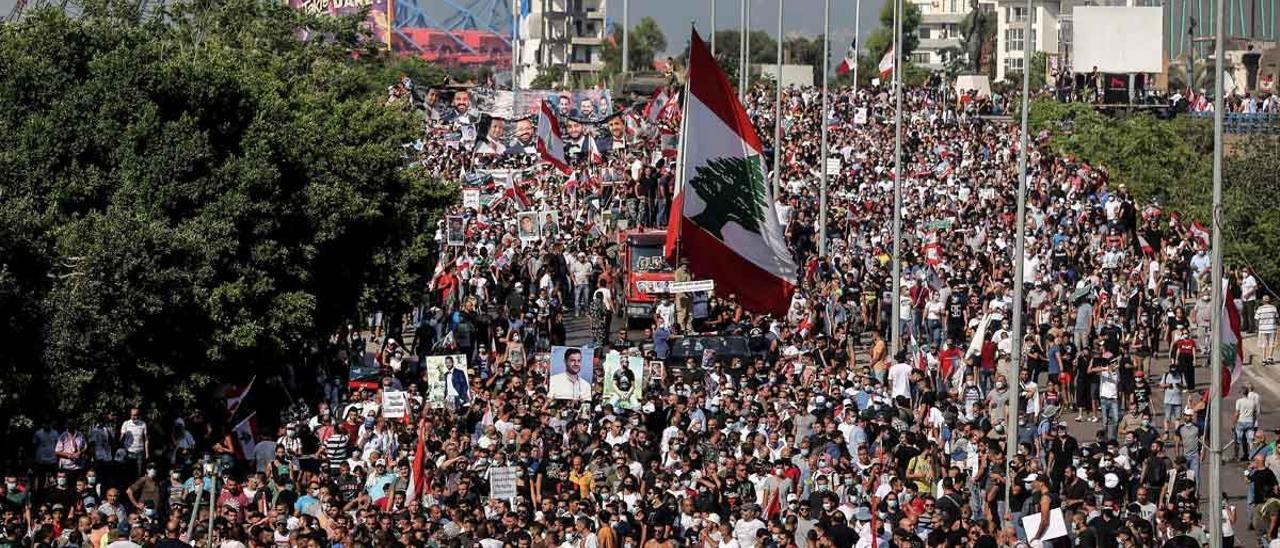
x,y
1231,343
513,191
550,140
722,217
1199,232
246,435
235,394
654,108
417,480
593,151
1145,246
886,63
850,58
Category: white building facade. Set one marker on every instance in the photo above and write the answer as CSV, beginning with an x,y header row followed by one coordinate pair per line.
x,y
567,33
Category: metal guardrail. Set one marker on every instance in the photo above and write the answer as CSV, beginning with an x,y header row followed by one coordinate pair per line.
x,y
1245,123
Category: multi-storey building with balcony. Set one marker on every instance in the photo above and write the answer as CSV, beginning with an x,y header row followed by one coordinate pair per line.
x,y
567,33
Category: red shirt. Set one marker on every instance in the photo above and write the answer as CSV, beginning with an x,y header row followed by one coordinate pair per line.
x,y
1184,346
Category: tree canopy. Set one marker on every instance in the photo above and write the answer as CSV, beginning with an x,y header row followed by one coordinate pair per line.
x,y
647,41
1170,161
194,196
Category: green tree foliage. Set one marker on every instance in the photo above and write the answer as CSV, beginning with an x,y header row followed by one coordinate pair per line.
x,y
193,197
880,39
549,77
647,41
1171,161
763,50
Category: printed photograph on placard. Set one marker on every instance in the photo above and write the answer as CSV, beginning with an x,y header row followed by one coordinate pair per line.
x,y
447,380
549,223
654,370
455,231
471,198
623,380
572,373
527,226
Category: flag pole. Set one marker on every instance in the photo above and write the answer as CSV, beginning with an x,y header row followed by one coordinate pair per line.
x,y
826,70
746,45
895,340
857,44
1020,242
515,42
777,111
685,95
742,51
1216,291
713,29
626,36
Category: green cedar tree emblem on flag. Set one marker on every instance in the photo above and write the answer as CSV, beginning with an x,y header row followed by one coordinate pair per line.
x,y
733,189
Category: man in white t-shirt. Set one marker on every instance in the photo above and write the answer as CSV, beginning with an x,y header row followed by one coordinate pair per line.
x,y
133,438
1266,322
746,529
900,377
1246,421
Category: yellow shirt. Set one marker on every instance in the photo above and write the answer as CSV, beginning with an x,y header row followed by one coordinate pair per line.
x,y
585,481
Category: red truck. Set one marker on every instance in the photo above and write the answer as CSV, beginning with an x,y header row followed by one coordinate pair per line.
x,y
644,270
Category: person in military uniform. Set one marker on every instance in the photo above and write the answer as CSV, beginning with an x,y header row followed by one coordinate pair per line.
x,y
684,301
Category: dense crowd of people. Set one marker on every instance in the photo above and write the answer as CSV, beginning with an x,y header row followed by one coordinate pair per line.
x,y
820,436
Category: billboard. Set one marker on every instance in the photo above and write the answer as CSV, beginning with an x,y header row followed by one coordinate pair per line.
x,y
1117,39
445,33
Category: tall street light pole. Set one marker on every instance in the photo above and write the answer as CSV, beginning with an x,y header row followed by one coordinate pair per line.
x,y
826,71
895,326
777,111
1217,291
1020,241
626,36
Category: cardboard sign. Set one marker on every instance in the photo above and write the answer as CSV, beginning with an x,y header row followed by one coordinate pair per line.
x,y
395,404
471,198
502,482
833,166
860,116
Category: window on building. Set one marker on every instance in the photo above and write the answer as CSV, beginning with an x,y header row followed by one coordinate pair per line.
x,y
1013,40
1018,14
1012,64
920,58
925,33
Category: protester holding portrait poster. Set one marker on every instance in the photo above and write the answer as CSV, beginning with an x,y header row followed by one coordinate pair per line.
x,y
572,373
623,380
447,380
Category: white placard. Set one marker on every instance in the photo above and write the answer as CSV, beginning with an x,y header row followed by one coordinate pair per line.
x,y
691,286
471,198
833,166
1057,525
1117,39
394,404
860,116
502,482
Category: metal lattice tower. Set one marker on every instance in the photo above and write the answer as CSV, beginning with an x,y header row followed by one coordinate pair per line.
x,y
490,16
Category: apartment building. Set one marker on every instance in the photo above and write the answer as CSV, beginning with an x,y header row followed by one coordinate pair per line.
x,y
568,33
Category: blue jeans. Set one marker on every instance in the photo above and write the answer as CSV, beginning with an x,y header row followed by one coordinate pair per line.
x,y
581,298
1110,415
1193,467
1244,432
935,333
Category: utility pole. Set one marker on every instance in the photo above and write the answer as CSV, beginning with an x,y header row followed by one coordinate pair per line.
x,y
626,36
777,111
713,29
857,44
895,339
742,51
1216,289
1020,242
822,119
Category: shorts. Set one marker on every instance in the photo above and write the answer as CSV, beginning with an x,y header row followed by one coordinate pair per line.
x,y
1266,337
1172,411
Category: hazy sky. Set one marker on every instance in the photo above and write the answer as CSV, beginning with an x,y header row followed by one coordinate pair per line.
x,y
800,17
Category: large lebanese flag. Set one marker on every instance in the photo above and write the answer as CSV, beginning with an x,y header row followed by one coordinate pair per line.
x,y
722,217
